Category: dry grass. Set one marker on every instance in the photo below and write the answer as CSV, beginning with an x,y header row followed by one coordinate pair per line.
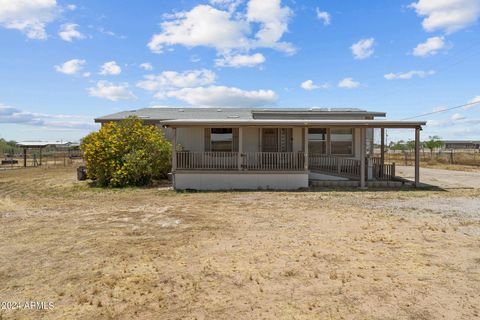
x,y
157,254
460,161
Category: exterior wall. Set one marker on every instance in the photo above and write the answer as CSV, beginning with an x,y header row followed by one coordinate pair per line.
x,y
297,135
251,139
240,181
191,139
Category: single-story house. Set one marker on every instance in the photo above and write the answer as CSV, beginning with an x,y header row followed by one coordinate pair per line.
x,y
272,148
461,144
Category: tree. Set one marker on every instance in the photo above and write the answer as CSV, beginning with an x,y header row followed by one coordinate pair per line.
x,y
410,145
434,142
126,153
399,146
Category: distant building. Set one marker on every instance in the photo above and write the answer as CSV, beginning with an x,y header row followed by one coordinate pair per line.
x,y
461,144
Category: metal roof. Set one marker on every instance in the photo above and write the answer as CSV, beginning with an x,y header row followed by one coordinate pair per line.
x,y
462,141
42,144
296,123
158,114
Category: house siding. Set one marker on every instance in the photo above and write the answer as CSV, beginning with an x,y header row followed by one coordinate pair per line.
x,y
240,180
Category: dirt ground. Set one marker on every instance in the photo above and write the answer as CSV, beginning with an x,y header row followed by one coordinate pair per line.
x,y
156,254
442,178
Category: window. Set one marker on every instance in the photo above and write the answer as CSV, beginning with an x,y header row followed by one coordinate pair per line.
x,y
317,140
341,141
221,139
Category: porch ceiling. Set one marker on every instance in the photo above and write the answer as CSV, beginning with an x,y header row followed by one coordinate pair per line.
x,y
293,123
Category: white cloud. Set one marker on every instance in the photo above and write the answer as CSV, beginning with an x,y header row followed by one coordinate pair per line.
x,y
110,91
28,16
68,32
240,60
439,109
273,19
363,49
457,116
310,85
348,83
447,15
230,5
409,75
221,96
323,16
457,120
146,66
71,66
110,68
71,7
475,102
169,80
201,26
14,115
429,47
226,31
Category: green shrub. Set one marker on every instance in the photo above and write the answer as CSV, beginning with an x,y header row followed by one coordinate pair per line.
x,y
126,153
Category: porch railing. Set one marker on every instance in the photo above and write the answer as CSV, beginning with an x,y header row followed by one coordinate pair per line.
x,y
335,165
350,167
280,161
384,171
252,161
207,160
274,161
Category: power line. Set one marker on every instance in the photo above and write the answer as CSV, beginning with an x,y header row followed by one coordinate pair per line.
x,y
443,110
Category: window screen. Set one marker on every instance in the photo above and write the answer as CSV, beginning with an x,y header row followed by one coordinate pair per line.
x,y
317,140
341,141
221,139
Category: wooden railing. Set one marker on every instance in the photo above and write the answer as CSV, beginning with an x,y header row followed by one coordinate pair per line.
x,y
350,167
274,161
280,161
207,160
335,165
384,172
252,161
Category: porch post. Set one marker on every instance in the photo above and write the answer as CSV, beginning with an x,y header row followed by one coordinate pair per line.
x,y
382,146
417,157
25,157
240,148
174,150
362,157
305,148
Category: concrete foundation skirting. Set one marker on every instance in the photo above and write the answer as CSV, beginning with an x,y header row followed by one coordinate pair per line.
x,y
240,181
354,184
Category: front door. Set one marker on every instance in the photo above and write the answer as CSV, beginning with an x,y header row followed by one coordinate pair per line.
x,y
269,140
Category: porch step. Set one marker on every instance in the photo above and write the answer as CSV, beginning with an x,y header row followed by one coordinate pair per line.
x,y
355,184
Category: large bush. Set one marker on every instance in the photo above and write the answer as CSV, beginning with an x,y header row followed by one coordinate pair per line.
x,y
126,153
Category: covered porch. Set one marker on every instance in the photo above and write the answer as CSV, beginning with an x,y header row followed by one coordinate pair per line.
x,y
330,149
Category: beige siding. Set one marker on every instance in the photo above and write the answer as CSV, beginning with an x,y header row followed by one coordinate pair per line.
x,y
251,139
297,143
191,139
235,180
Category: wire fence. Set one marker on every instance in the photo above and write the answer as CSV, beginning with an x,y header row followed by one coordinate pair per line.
x,y
466,157
36,158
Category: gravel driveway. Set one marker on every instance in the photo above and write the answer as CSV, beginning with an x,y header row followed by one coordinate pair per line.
x,y
445,179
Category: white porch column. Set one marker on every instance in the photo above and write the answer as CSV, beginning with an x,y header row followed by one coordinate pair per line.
x,y
417,157
363,146
240,148
305,147
174,150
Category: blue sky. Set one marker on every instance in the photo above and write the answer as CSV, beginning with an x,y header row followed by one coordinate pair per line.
x,y
65,62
